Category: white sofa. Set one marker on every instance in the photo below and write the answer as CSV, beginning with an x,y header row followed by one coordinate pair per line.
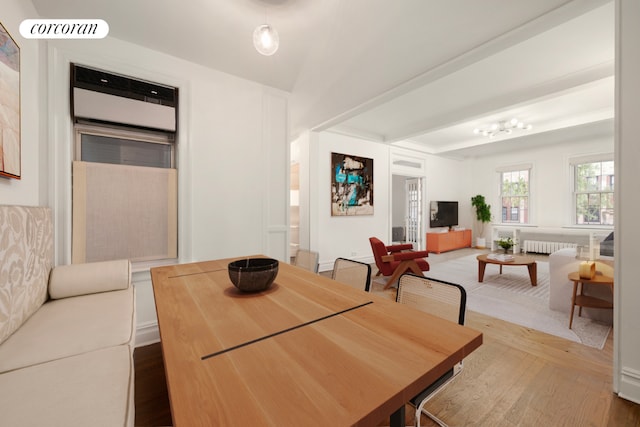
x,y
563,262
66,333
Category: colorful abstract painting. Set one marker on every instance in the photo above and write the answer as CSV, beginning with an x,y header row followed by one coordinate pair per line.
x,y
351,185
9,105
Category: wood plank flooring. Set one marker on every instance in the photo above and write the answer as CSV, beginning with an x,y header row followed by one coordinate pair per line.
x,y
151,397
518,377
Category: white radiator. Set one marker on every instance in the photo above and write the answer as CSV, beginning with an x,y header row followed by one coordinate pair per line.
x,y
545,247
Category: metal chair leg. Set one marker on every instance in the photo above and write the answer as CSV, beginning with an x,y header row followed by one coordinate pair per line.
x,y
420,410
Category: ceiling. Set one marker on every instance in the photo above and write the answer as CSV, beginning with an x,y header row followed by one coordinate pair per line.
x,y
413,73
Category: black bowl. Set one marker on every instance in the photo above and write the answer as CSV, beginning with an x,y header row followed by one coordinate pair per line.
x,y
253,274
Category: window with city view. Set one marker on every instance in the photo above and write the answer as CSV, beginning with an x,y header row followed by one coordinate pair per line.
x,y
514,193
593,193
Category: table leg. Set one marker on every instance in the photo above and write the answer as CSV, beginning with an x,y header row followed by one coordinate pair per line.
x,y
481,266
573,302
581,293
533,273
398,418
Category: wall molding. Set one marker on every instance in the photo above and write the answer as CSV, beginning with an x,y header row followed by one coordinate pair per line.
x,y
147,333
630,384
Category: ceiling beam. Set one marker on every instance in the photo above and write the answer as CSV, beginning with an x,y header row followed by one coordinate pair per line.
x,y
534,27
502,102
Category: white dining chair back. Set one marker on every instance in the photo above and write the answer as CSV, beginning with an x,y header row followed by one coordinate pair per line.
x,y
307,259
442,299
445,300
354,273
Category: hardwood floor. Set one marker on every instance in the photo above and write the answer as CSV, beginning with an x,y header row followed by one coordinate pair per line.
x,y
522,377
151,397
518,377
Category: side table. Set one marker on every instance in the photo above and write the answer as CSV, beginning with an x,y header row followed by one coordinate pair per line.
x,y
582,300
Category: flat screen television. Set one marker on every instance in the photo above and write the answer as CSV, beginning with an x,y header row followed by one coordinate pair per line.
x,y
443,214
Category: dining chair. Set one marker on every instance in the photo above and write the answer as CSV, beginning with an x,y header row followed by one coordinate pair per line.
x,y
354,273
307,259
442,299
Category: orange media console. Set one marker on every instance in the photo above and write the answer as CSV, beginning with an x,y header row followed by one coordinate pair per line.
x,y
443,242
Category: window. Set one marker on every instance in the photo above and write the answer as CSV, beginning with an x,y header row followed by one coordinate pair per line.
x,y
514,194
145,151
124,195
117,145
593,186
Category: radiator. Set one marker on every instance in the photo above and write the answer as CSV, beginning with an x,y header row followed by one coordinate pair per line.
x,y
545,247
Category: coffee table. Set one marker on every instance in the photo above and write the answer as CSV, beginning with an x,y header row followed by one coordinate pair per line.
x,y
530,262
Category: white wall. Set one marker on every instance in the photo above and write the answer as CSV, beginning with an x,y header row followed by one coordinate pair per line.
x,y
232,155
348,237
31,189
626,313
302,145
449,180
550,183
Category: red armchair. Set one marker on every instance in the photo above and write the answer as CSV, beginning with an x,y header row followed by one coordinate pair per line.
x,y
392,261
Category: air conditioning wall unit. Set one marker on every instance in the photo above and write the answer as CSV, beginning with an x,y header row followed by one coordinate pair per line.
x,y
106,97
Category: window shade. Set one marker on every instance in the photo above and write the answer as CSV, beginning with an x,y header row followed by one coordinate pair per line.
x,y
123,211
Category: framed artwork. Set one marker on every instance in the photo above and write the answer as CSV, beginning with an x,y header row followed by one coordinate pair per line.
x,y
351,185
10,163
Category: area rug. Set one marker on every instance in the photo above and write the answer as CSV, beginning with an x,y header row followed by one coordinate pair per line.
x,y
509,296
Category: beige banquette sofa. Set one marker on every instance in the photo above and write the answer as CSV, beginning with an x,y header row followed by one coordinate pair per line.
x,y
66,333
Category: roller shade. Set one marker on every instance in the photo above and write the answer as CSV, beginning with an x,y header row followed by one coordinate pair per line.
x,y
102,192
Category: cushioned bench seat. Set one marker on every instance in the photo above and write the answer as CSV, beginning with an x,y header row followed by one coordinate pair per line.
x,y
70,326
91,389
67,333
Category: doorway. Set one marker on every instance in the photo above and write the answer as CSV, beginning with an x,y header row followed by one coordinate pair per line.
x,y
407,218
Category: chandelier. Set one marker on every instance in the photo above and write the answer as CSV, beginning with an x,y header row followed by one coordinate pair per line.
x,y
503,127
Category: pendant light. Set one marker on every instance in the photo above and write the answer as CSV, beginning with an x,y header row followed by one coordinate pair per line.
x,y
266,40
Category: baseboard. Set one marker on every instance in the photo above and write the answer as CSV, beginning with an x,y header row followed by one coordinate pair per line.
x,y
147,333
630,385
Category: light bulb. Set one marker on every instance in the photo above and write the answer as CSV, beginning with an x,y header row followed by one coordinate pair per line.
x,y
266,40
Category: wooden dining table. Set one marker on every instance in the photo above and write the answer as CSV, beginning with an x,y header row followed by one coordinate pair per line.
x,y
307,351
